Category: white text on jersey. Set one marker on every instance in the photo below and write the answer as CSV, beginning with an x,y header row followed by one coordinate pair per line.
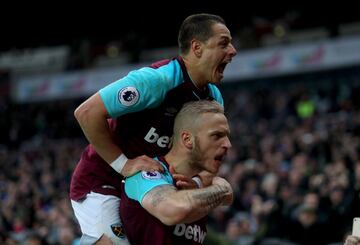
x,y
190,232
153,137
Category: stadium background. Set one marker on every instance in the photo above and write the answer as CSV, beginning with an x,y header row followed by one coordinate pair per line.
x,y
294,164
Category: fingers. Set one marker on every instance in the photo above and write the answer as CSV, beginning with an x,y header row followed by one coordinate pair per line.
x,y
142,163
206,178
185,185
183,182
151,167
178,177
149,164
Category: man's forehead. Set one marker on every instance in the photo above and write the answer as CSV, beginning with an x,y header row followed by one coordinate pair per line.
x,y
215,122
221,30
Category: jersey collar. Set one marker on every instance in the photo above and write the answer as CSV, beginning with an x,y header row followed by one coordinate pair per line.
x,y
200,93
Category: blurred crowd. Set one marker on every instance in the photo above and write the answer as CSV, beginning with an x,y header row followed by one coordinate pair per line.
x,y
40,145
295,162
294,165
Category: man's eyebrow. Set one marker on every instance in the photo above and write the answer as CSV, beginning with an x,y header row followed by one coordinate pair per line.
x,y
222,132
227,38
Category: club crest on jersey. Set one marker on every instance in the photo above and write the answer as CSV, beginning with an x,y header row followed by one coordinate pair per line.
x,y
118,230
151,174
128,96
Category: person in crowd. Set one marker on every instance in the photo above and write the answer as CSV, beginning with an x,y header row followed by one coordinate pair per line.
x,y
352,240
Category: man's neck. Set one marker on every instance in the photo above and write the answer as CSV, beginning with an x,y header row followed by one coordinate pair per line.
x,y
193,69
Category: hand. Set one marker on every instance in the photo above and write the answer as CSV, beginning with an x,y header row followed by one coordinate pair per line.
x,y
352,240
140,163
229,197
206,178
182,182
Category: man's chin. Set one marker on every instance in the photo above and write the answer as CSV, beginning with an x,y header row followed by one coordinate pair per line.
x,y
216,167
216,81
220,78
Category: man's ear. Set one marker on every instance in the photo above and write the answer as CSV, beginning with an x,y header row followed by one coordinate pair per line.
x,y
196,47
187,139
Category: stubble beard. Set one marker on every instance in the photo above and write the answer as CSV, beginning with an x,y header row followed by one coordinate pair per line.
x,y
196,160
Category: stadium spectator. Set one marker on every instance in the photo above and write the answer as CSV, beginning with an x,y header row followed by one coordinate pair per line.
x,y
352,240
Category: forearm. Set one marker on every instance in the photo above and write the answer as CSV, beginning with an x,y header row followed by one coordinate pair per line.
x,y
171,206
206,178
92,118
203,201
100,136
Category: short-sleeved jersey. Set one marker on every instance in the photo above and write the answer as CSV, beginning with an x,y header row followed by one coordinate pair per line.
x,y
142,107
141,227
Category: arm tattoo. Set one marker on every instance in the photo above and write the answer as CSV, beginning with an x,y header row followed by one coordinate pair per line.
x,y
208,198
159,194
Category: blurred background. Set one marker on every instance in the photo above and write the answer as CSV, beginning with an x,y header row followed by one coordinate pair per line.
x,y
291,94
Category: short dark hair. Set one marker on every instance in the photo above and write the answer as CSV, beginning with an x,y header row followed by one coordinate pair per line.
x,y
197,26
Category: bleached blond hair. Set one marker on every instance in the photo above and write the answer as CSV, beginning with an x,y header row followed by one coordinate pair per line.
x,y
189,115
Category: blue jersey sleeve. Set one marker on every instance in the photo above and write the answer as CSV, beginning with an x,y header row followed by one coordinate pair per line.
x,y
216,94
141,89
141,183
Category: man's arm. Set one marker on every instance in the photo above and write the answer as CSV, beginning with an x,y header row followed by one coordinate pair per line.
x,y
92,118
172,206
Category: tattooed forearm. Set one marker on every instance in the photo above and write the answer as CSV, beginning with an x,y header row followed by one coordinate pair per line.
x,y
172,206
160,193
208,198
202,201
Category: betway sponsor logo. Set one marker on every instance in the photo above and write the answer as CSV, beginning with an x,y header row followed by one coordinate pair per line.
x,y
153,137
191,232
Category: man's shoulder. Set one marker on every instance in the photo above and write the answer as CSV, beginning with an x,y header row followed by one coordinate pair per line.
x,y
215,93
167,70
160,63
148,177
137,185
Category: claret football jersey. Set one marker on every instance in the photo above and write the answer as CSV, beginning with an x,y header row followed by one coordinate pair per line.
x,y
142,107
141,227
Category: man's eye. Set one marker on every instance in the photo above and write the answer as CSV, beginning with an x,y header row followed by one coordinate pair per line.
x,y
216,136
